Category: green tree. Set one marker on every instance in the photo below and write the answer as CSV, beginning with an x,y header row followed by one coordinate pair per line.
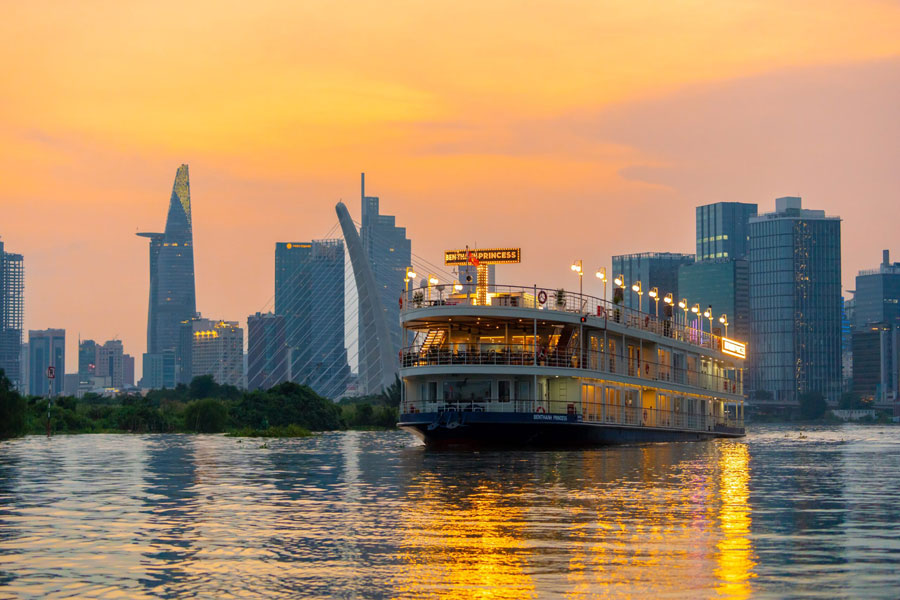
x,y
203,386
812,405
12,410
207,415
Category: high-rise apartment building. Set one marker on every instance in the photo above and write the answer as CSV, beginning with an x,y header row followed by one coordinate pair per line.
x,y
309,296
111,363
652,269
795,304
212,347
12,302
172,291
267,351
46,348
389,252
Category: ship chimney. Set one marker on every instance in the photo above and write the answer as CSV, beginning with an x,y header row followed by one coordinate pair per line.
x,y
886,258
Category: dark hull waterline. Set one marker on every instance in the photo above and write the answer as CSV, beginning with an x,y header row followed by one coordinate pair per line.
x,y
491,429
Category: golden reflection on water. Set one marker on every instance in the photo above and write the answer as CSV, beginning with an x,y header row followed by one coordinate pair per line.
x,y
735,551
464,547
644,522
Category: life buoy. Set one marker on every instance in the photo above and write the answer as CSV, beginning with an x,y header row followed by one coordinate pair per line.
x,y
647,368
540,409
542,296
601,312
401,302
645,415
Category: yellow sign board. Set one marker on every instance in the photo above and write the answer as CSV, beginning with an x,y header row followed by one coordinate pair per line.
x,y
488,256
734,348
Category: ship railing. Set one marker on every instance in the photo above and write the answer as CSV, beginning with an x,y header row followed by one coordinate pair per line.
x,y
679,326
505,355
586,412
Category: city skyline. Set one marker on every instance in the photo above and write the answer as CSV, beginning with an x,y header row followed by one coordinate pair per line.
x,y
570,121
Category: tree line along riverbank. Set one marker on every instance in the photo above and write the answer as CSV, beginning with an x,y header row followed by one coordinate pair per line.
x,y
203,406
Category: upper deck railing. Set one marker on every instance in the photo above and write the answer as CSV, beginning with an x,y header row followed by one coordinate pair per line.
x,y
568,302
506,355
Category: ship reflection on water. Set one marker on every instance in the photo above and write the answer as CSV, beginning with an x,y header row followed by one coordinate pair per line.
x,y
616,522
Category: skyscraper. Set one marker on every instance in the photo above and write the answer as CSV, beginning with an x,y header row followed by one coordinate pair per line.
x,y
877,298
46,348
12,294
87,361
795,304
652,269
309,296
172,291
876,333
723,230
720,276
267,351
389,252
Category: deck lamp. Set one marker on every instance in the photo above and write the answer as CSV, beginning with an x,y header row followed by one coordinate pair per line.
x,y
457,287
708,314
432,281
696,310
577,267
683,305
620,281
724,321
601,275
636,288
654,293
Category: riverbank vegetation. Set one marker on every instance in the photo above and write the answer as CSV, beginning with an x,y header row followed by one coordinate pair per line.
x,y
203,406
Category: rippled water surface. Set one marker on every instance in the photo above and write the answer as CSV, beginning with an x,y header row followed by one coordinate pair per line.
x,y
375,515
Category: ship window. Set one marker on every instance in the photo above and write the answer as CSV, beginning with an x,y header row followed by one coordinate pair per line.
x,y
504,390
432,391
467,389
524,391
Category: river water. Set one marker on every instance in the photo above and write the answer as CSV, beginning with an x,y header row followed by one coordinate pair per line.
x,y
376,515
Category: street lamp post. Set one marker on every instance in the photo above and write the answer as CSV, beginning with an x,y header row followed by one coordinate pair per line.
x,y
654,293
636,287
601,275
683,305
724,321
708,314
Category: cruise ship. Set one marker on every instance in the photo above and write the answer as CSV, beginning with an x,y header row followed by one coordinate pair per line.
x,y
516,365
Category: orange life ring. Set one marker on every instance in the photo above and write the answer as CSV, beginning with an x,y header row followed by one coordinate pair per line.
x,y
540,409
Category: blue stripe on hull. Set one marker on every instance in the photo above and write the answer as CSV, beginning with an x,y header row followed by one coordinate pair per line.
x,y
517,429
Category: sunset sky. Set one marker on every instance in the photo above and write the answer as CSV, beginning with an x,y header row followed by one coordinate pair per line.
x,y
571,129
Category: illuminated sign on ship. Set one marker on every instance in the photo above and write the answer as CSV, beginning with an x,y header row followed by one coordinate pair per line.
x,y
492,256
734,348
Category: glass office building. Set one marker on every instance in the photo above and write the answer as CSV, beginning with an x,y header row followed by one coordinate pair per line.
x,y
173,298
309,295
723,284
46,347
795,303
12,305
652,269
389,252
723,230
